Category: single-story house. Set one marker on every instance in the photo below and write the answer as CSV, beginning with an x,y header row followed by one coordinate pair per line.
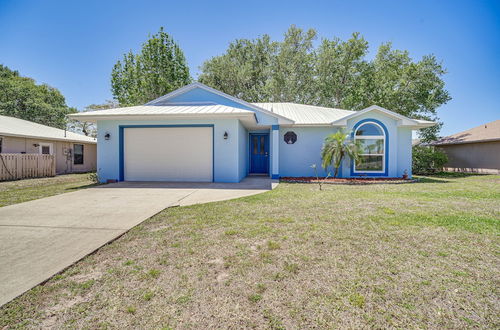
x,y
197,133
73,152
476,150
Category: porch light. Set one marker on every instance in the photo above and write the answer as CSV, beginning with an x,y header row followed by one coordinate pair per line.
x,y
107,136
226,135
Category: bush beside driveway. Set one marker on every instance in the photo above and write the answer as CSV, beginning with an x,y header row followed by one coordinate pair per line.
x,y
415,255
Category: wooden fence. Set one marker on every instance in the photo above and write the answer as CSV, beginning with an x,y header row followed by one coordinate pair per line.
x,y
23,166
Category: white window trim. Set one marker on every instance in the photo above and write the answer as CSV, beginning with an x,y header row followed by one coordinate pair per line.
x,y
372,137
45,144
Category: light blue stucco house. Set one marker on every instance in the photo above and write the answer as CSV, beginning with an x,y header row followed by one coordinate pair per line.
x,y
197,133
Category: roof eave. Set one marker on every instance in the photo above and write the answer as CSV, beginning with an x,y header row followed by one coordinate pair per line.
x,y
48,138
419,126
95,118
401,120
437,143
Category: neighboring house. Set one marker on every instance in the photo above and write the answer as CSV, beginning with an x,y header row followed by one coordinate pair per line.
x,y
73,152
197,133
476,150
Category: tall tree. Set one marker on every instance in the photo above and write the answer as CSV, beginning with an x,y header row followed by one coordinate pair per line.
x,y
22,98
340,68
336,73
244,71
292,68
262,70
412,88
158,69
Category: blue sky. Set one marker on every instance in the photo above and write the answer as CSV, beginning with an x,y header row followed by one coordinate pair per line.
x,y
72,45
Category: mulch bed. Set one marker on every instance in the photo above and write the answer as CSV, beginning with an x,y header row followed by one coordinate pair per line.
x,y
359,181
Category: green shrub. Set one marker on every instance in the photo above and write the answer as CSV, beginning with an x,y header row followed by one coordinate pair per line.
x,y
428,159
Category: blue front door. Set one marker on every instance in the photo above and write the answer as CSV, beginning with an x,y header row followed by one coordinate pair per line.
x,y
259,153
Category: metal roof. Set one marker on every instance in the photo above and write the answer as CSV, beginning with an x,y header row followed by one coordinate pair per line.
x,y
10,126
484,133
292,113
299,113
304,114
159,110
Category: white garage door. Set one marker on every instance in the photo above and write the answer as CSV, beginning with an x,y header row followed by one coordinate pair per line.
x,y
168,154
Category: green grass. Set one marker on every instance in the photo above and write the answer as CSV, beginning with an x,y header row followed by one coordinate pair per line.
x,y
13,192
423,255
255,297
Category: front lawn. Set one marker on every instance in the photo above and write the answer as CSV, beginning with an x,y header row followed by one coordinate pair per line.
x,y
423,255
13,192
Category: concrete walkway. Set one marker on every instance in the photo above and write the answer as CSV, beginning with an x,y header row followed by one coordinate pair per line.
x,y
42,237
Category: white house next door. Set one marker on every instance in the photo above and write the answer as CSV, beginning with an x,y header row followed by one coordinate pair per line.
x,y
168,154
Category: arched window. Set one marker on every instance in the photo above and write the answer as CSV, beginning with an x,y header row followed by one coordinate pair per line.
x,y
371,137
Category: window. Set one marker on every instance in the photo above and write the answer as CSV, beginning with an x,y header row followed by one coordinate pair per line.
x,y
45,148
371,138
78,154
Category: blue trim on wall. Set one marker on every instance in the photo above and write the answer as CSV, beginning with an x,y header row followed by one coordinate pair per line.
x,y
121,151
386,167
274,175
121,145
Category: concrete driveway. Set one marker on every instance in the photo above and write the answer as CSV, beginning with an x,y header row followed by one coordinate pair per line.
x,y
42,237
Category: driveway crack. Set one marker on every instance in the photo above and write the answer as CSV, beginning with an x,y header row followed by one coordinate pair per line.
x,y
184,197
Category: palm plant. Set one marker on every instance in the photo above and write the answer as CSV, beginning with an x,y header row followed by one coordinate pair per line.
x,y
337,146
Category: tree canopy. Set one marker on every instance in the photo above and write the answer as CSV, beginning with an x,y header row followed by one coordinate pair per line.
x,y
159,68
22,98
335,73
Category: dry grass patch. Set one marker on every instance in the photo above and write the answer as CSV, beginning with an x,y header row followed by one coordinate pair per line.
x,y
420,255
